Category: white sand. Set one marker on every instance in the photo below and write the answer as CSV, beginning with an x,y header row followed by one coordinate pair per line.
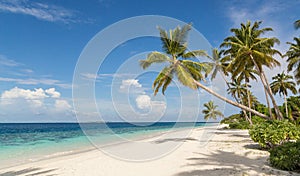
x,y
228,152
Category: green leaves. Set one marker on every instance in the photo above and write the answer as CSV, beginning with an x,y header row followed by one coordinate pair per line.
x,y
282,83
293,55
154,57
175,46
286,156
211,111
185,76
246,41
274,133
164,78
175,43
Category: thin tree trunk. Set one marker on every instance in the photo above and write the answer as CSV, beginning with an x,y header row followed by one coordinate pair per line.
x,y
286,108
249,104
236,99
278,113
268,103
267,87
230,101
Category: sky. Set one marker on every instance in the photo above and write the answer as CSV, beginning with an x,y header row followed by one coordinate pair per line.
x,y
41,42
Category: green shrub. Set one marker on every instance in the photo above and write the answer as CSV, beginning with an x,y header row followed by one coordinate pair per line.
x,y
236,121
286,156
271,133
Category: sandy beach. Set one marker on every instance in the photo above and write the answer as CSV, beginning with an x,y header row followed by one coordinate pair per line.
x,y
206,151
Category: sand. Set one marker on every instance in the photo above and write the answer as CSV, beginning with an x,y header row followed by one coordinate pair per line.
x,y
208,151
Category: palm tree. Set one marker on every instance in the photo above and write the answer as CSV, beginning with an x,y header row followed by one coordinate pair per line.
x,y
236,89
211,111
281,84
293,55
246,75
219,65
297,24
188,72
248,49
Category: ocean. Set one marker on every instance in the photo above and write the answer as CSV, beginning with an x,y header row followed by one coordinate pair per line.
x,y
27,142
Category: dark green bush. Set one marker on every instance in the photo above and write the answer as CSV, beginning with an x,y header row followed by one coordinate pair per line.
x,y
286,156
272,133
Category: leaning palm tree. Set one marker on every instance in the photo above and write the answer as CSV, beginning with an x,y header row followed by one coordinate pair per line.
x,y
188,72
297,24
293,55
281,84
211,111
248,49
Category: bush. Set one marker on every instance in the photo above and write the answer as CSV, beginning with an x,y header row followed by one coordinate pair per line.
x,y
236,121
272,133
286,156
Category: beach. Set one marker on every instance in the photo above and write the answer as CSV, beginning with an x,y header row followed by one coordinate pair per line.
x,y
205,151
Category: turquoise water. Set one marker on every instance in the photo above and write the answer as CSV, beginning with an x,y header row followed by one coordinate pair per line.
x,y
21,143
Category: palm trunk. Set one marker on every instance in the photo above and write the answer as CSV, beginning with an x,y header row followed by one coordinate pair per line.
x,y
249,104
268,103
286,108
236,99
230,101
267,87
277,111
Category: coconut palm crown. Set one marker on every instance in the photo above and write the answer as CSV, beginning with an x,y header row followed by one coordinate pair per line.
x,y
174,45
293,55
211,112
248,49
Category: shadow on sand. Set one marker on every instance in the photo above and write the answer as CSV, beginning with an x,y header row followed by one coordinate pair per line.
x,y
29,172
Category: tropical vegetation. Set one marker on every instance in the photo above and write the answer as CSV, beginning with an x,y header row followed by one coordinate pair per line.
x,y
242,59
211,111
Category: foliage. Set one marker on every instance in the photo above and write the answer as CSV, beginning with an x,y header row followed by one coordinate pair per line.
x,y
274,132
297,24
174,44
237,121
293,55
248,49
211,111
282,83
286,156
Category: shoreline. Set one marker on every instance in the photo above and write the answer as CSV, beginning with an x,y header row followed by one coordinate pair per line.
x,y
89,146
228,152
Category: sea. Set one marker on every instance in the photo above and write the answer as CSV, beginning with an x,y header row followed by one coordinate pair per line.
x,y
28,142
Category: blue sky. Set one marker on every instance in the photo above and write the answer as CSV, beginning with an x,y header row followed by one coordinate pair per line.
x,y
41,41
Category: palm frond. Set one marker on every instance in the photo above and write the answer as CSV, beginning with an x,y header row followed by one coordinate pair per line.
x,y
154,57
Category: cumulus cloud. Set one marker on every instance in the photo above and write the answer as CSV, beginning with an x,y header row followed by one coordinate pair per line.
x,y
36,101
53,93
143,102
132,86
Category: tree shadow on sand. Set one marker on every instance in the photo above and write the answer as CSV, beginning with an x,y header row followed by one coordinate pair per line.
x,y
231,163
29,172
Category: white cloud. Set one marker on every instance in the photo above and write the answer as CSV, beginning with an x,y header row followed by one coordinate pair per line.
x,y
132,86
53,93
143,102
30,81
4,61
35,100
41,11
89,76
62,105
